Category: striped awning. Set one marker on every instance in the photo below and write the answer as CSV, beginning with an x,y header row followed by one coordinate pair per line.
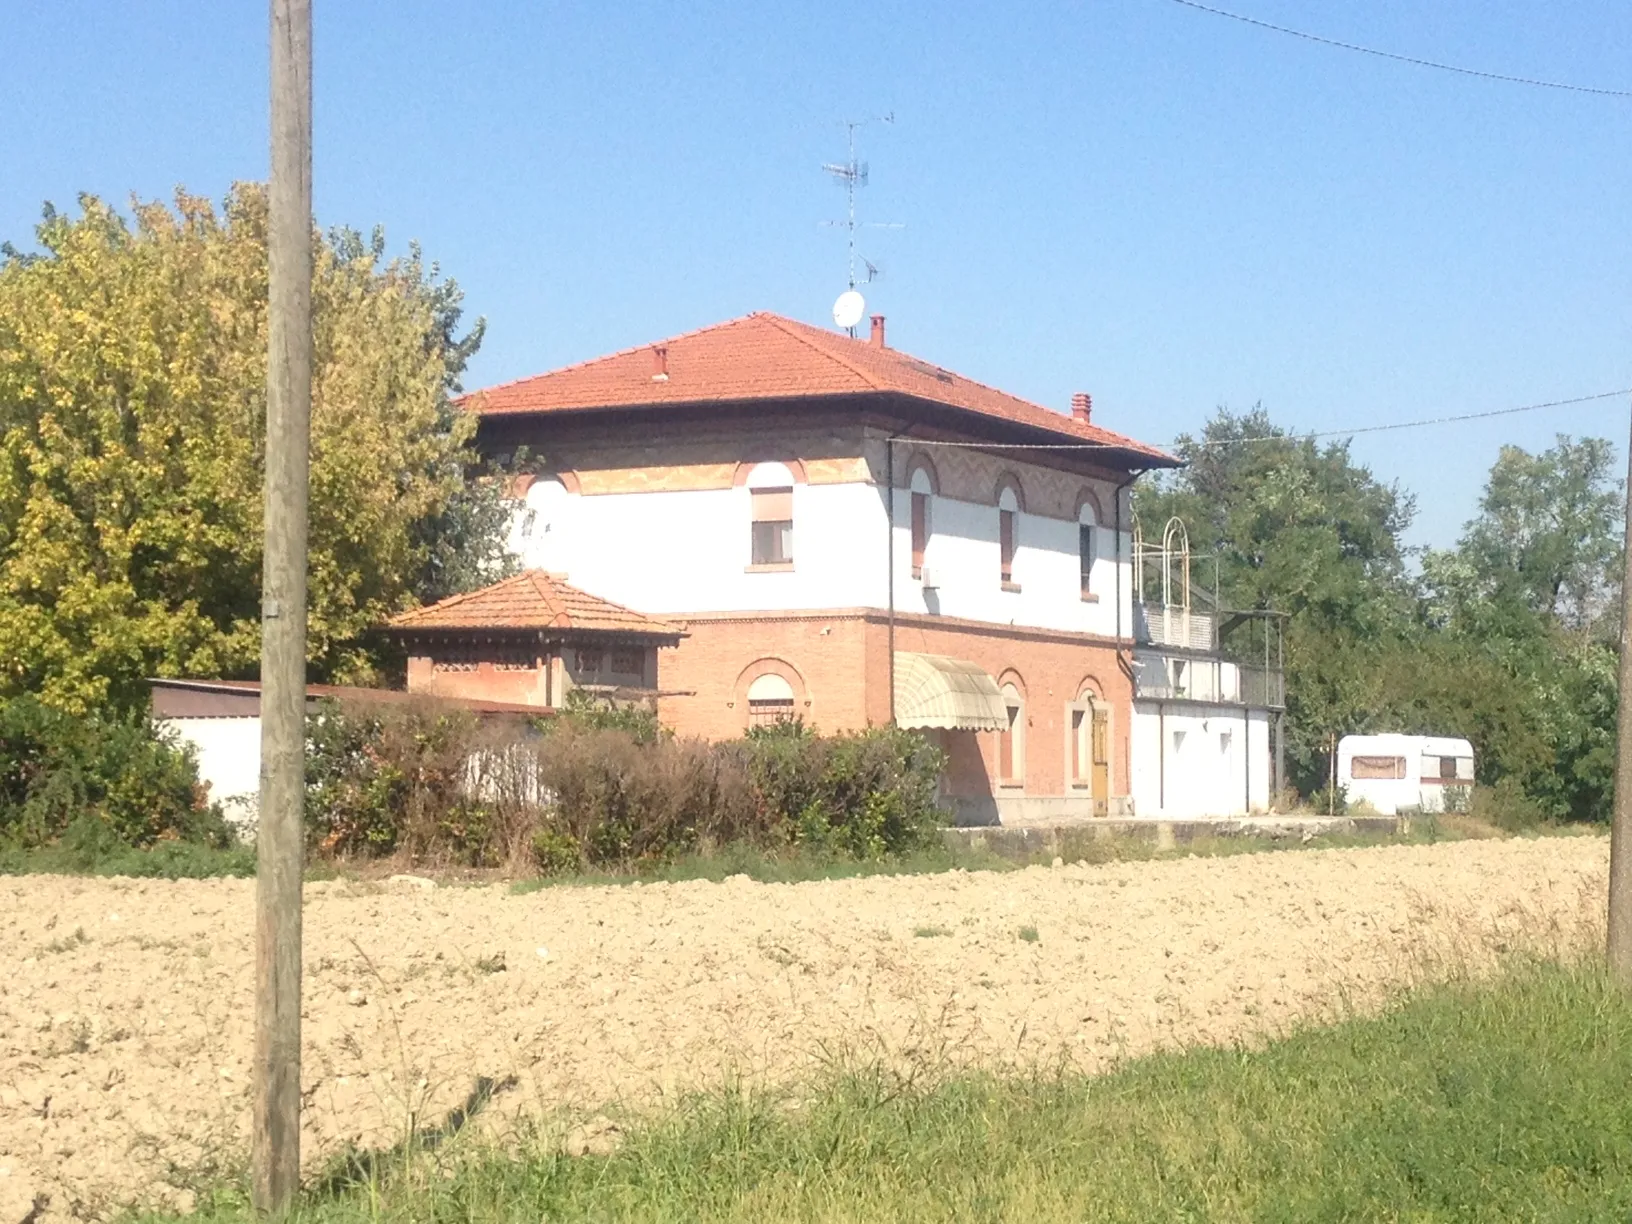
x,y
946,693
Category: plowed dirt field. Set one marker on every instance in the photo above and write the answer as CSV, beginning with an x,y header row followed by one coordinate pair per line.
x,y
126,1021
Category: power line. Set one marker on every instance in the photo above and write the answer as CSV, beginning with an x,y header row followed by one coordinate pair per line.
x,y
1420,423
1405,59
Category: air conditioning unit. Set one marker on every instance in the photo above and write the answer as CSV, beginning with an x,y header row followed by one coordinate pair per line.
x,y
927,579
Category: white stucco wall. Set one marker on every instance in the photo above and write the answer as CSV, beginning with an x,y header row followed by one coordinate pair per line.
x,y
1216,760
229,762
676,552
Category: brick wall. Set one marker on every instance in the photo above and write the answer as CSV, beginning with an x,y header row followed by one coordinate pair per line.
x,y
1050,669
820,655
838,666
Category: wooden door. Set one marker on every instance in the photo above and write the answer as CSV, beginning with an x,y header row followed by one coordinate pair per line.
x,y
1101,756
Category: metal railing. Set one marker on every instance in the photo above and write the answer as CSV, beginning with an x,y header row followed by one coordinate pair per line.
x,y
1175,678
1263,687
1167,625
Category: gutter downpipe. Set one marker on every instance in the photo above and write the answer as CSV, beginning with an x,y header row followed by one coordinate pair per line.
x,y
889,514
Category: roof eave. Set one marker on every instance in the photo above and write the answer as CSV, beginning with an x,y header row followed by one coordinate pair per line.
x,y
661,635
1135,457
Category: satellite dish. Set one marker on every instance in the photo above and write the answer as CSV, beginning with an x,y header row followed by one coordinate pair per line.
x,y
847,311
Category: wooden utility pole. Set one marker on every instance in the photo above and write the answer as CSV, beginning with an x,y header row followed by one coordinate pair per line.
x,y
1620,840
279,838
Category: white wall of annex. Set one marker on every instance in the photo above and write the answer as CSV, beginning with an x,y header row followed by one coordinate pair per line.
x,y
1216,760
229,762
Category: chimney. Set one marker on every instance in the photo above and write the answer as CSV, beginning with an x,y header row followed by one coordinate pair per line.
x,y
1082,406
878,331
660,363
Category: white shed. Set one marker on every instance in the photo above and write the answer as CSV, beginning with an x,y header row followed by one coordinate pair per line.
x,y
1395,773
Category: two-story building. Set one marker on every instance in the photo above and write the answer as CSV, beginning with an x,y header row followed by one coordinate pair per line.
x,y
848,535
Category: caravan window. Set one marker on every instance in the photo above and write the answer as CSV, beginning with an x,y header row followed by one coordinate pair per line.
x,y
1447,768
1377,767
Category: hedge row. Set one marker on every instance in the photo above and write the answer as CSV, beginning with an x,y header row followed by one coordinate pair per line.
x,y
604,788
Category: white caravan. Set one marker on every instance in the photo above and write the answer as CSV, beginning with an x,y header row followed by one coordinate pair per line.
x,y
1396,773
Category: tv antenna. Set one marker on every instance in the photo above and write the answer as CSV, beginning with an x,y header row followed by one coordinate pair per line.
x,y
851,174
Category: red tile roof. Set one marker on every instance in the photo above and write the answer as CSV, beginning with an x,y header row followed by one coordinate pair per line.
x,y
532,599
765,356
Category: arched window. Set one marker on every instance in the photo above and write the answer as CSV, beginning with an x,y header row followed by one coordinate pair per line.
x,y
922,491
1011,741
770,488
770,700
1087,543
539,532
1008,535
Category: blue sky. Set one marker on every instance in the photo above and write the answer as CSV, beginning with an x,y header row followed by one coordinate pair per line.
x,y
1164,208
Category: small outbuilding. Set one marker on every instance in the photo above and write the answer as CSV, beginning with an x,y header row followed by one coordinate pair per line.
x,y
532,639
1396,773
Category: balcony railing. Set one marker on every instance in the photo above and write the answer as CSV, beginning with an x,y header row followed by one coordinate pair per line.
x,y
1264,687
1176,678
1166,625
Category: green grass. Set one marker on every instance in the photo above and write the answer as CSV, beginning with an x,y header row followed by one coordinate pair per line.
x,y
170,860
1503,1101
188,860
1080,845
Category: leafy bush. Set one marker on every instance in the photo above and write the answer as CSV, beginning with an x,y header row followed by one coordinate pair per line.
x,y
620,800
102,780
1507,806
585,712
381,778
604,788
862,794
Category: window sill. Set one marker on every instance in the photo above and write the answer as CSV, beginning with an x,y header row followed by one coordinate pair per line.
x,y
1011,786
1089,597
772,567
1012,588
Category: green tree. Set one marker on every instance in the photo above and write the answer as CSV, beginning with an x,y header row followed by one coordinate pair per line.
x,y
132,401
1532,590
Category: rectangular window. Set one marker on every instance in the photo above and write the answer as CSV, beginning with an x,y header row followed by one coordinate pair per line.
x,y
1377,767
1085,556
773,527
1447,769
629,662
589,662
1005,528
920,532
